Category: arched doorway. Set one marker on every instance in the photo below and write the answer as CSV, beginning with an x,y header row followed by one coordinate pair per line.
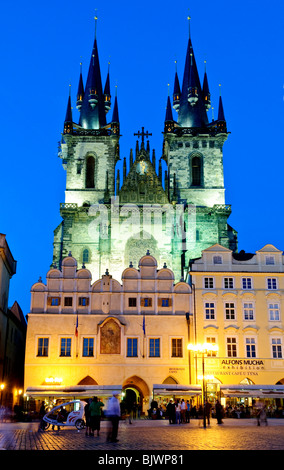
x,y
136,392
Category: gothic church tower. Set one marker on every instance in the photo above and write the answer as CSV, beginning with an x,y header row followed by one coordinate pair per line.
x,y
89,151
193,151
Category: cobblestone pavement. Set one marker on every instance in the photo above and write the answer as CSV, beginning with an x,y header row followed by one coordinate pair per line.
x,y
146,435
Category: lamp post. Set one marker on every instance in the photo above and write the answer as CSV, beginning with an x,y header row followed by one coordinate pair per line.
x,y
203,349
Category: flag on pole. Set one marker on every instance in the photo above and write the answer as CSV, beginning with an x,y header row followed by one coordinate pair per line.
x,y
144,326
76,327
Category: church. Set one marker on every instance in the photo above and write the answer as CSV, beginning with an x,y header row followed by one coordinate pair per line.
x,y
136,257
110,220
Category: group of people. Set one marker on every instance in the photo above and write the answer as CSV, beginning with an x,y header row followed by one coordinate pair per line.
x,y
179,411
93,415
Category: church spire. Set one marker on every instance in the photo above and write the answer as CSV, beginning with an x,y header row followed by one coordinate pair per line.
x,y
80,92
205,90
93,114
115,115
107,94
192,111
176,94
68,123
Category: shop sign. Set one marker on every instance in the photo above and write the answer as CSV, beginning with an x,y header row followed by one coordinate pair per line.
x,y
237,367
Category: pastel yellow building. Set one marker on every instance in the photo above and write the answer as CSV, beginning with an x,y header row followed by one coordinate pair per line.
x,y
238,305
89,338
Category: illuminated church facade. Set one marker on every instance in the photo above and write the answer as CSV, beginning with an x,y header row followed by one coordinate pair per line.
x,y
111,220
118,308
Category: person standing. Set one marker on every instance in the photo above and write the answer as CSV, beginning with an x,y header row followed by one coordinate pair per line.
x,y
178,410
219,412
208,407
187,412
95,415
182,410
113,413
171,412
88,418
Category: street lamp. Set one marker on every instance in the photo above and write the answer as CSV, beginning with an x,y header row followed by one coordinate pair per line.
x,y
203,349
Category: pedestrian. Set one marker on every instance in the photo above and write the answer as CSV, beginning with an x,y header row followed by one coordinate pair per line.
x,y
178,410
182,410
41,415
219,412
95,415
171,412
187,412
261,415
113,413
208,407
88,418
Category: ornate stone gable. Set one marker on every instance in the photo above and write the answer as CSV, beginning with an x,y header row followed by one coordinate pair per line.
x,y
142,185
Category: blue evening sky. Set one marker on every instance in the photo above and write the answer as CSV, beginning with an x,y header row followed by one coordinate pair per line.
x,y
42,45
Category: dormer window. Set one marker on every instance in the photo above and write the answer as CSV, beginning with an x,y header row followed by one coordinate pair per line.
x,y
269,260
217,259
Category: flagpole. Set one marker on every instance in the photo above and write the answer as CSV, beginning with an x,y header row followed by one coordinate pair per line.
x,y
76,335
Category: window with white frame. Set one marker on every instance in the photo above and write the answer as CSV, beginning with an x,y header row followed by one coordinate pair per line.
x,y
177,347
273,312
232,347
42,347
88,347
209,282
250,347
248,311
247,283
132,347
228,283
65,347
272,283
230,312
217,259
209,308
154,347
276,344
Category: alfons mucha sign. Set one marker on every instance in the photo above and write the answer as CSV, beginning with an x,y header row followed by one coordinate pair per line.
x,y
235,366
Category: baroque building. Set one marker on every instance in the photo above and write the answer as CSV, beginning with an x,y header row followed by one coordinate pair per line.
x,y
110,220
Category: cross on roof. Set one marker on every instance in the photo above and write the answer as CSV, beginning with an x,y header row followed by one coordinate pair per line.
x,y
143,134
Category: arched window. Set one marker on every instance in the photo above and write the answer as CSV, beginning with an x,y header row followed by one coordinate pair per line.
x,y
90,172
85,256
196,169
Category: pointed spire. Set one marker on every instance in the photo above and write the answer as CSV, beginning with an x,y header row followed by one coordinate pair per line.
x,y
115,116
107,94
221,115
191,115
176,94
205,90
169,113
80,92
93,114
68,123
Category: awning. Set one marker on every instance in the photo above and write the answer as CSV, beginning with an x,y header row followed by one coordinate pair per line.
x,y
176,389
73,391
257,391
